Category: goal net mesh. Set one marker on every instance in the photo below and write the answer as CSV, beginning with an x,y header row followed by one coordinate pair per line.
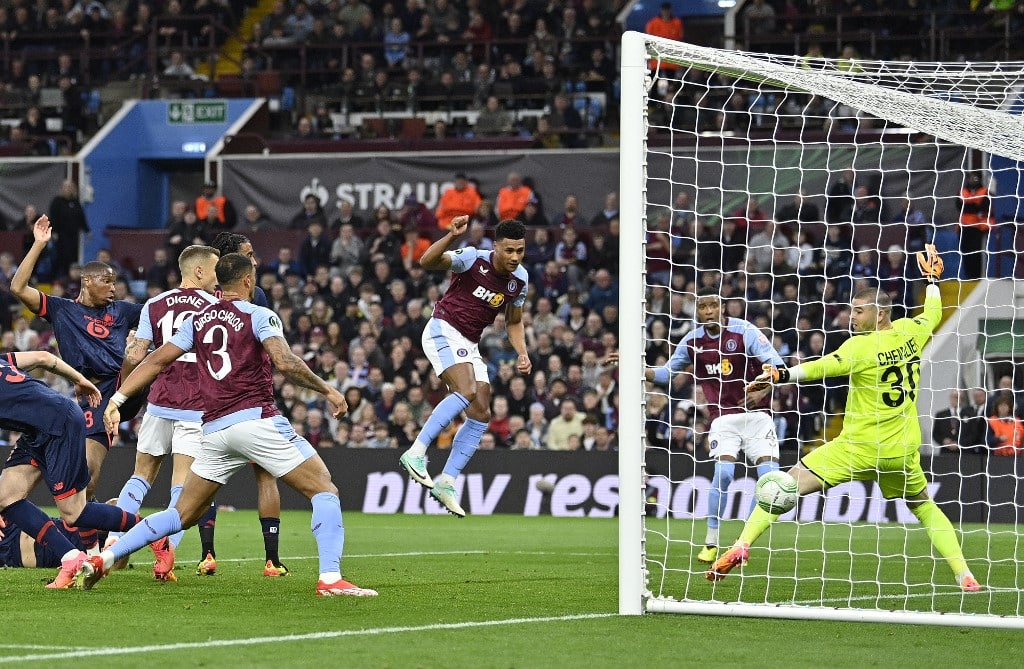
x,y
787,184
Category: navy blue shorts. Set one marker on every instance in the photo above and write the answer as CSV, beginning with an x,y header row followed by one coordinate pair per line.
x,y
10,548
60,458
94,416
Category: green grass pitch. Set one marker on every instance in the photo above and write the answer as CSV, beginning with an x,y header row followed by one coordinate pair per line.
x,y
498,591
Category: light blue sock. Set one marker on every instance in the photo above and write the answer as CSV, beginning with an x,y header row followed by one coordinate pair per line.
x,y
767,466
160,524
441,417
132,494
175,538
328,530
718,495
464,446
762,469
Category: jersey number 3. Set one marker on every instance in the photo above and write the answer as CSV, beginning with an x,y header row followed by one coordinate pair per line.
x,y
895,376
221,351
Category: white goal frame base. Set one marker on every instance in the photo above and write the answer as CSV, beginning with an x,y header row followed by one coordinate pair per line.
x,y
789,612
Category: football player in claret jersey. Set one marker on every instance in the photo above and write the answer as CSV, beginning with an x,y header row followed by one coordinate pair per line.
x,y
91,332
235,343
51,449
268,497
172,422
881,436
724,354
484,284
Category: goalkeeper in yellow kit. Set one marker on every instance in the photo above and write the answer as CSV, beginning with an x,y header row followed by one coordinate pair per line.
x,y
881,434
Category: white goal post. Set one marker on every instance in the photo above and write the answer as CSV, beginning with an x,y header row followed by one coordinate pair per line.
x,y
716,141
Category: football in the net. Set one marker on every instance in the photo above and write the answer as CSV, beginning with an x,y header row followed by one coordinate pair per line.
x,y
776,492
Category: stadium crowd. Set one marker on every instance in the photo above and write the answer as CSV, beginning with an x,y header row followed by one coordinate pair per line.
x,y
527,68
354,301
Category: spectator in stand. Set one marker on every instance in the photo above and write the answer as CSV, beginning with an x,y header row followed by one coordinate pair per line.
x,y
476,238
571,257
799,210
611,211
666,25
1005,431
461,199
348,250
759,18
974,428
532,216
604,291
866,207
976,219
253,220
566,424
894,278
226,216
358,437
315,249
396,43
537,424
749,218
512,197
67,220
762,247
484,215
947,426
570,216
415,214
311,211
539,250
413,248
839,202
285,264
159,269
1004,390
567,122
347,214
186,232
493,119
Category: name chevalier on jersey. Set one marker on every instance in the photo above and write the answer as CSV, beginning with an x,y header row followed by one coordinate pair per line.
x,y
229,317
898,354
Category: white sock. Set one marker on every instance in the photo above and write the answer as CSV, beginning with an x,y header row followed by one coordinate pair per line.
x,y
108,559
73,553
445,479
418,448
711,539
330,576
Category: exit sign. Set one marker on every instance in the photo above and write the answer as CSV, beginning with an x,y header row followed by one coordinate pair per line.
x,y
197,111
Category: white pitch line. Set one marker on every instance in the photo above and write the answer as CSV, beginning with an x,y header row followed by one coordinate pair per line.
x,y
313,636
410,554
28,646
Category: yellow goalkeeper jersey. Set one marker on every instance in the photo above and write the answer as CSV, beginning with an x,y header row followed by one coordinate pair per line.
x,y
884,369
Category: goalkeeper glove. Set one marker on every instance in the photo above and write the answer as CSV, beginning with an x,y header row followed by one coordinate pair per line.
x,y
930,263
769,376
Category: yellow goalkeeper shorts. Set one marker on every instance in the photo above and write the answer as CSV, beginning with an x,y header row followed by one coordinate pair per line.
x,y
840,461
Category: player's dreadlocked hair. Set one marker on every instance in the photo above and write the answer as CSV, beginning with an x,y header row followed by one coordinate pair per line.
x,y
510,229
232,267
229,242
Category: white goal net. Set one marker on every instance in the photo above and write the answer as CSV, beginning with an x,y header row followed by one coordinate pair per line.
x,y
784,185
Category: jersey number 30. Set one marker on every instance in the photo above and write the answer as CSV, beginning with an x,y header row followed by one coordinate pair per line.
x,y
895,376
